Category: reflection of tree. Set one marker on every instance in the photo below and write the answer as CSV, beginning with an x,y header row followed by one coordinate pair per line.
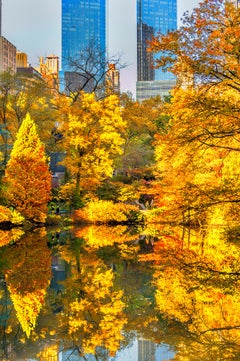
x,y
95,310
103,236
28,278
108,296
9,236
198,286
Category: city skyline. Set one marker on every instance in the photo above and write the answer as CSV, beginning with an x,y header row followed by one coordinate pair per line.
x,y
36,30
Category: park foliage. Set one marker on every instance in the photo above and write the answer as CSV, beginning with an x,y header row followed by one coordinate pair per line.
x,y
176,157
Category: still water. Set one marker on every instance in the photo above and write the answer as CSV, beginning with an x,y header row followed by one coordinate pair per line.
x,y
113,293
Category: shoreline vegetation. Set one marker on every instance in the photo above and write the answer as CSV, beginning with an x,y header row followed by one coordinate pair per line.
x,y
177,155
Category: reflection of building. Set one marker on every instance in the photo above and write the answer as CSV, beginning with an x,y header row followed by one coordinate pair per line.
x,y
7,56
83,25
153,16
146,350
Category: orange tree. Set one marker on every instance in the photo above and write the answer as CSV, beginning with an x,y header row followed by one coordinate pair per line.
x,y
198,157
27,177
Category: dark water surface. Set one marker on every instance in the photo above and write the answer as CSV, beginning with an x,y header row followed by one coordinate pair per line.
x,y
112,293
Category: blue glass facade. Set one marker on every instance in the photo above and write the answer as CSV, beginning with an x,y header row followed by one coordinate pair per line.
x,y
83,24
153,16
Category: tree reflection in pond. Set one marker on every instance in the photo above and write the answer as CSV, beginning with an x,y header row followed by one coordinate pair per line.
x,y
119,286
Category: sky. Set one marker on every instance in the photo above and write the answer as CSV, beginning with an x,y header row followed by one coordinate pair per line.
x,y
34,27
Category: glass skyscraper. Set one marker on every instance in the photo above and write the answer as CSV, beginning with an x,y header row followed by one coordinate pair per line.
x,y
83,26
153,16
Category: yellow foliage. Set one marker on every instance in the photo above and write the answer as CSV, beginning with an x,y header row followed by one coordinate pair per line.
x,y
5,214
9,215
97,316
102,236
27,308
16,217
92,137
10,236
198,159
28,277
49,353
101,211
128,252
27,175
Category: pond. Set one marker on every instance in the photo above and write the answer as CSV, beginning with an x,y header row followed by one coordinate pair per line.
x,y
117,293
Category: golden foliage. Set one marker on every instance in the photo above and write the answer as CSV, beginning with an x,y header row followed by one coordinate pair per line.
x,y
196,280
92,132
103,326
7,237
27,307
96,318
10,215
27,176
102,236
29,277
101,211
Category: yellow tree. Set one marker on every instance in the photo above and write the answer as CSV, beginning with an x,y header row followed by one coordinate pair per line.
x,y
27,177
197,160
20,95
92,137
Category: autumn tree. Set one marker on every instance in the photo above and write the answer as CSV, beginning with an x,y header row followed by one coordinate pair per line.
x,y
205,47
142,124
134,167
198,157
27,177
92,136
20,95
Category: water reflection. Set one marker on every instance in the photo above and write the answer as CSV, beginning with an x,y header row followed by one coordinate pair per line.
x,y
110,293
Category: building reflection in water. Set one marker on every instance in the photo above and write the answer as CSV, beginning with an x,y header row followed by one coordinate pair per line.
x,y
149,351
140,350
146,350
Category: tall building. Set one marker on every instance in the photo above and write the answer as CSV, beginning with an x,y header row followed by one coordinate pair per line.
x,y
153,16
83,27
7,51
7,56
